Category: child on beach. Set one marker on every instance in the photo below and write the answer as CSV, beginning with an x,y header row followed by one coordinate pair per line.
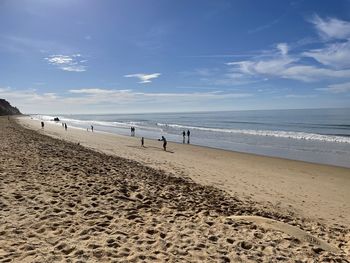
x,y
142,142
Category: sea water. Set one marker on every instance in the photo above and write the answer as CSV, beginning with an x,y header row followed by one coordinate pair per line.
x,y
312,135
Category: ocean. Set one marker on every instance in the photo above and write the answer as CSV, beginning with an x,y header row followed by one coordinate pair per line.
x,y
312,135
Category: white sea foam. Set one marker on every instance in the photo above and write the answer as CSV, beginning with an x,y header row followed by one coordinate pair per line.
x,y
280,134
87,123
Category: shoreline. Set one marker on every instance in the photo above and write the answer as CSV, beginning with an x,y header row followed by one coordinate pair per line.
x,y
195,145
300,149
312,190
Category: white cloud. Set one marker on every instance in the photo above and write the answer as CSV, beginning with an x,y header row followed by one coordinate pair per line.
x,y
144,78
335,59
331,28
336,55
337,88
300,96
283,47
91,91
98,100
71,63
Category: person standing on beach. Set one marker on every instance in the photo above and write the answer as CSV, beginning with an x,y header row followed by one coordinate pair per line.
x,y
92,128
65,126
164,142
188,136
183,136
42,125
142,142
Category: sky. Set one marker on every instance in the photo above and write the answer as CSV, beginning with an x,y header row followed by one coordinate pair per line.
x,y
135,56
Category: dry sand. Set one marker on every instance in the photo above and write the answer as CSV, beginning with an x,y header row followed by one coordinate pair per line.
x,y
61,202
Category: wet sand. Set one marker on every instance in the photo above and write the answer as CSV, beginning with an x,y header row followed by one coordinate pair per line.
x,y
63,202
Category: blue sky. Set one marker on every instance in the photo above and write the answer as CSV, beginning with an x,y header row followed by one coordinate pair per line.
x,y
121,56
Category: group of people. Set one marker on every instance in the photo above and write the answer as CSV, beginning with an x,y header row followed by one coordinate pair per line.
x,y
184,136
132,129
163,139
64,125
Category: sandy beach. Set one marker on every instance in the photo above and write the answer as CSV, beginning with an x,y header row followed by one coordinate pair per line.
x,y
96,197
311,190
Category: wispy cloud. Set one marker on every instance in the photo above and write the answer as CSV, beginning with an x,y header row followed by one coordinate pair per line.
x,y
113,100
73,63
28,96
144,78
22,44
265,26
283,48
109,93
91,91
335,55
301,96
331,28
333,59
337,88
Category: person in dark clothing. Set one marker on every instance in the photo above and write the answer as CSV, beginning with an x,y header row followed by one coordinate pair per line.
x,y
65,126
188,136
164,142
183,136
92,128
42,125
142,142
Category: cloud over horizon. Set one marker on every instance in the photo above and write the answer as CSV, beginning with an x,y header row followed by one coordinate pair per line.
x,y
94,98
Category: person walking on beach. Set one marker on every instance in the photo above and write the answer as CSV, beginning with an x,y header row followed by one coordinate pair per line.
x,y
132,129
142,142
42,125
92,128
188,136
183,136
164,142
65,126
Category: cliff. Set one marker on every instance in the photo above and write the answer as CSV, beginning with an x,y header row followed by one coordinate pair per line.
x,y
7,109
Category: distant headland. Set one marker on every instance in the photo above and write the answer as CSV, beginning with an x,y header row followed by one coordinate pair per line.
x,y
7,109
